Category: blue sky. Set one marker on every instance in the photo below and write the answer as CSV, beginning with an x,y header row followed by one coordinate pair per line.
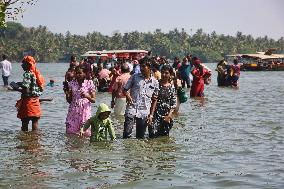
x,y
255,17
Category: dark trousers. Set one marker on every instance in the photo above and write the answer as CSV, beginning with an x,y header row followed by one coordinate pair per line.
x,y
185,80
5,80
141,126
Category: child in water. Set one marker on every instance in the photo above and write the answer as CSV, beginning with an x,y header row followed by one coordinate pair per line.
x,y
101,125
51,83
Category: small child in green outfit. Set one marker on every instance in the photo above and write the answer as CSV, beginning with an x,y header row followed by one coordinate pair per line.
x,y
101,125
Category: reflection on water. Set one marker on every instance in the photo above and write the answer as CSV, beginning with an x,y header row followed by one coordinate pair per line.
x,y
233,137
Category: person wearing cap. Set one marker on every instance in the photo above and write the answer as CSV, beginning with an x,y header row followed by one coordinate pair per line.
x,y
6,67
118,97
101,125
139,90
31,88
199,73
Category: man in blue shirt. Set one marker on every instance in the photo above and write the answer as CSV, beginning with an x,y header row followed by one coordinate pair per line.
x,y
139,91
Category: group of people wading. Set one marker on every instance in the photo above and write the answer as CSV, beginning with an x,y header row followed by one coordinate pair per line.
x,y
147,92
228,75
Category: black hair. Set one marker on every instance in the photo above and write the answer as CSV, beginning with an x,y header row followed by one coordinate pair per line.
x,y
73,58
124,68
168,68
4,57
235,61
81,67
145,61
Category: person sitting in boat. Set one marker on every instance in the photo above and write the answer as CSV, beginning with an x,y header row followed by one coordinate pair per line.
x,y
221,69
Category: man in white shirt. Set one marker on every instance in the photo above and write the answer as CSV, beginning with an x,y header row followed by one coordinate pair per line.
x,y
6,67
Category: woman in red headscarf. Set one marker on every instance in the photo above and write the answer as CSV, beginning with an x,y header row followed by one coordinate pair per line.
x,y
198,73
31,88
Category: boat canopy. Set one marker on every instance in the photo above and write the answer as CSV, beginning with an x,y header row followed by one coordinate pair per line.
x,y
116,53
259,55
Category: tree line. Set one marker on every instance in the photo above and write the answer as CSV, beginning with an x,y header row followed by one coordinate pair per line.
x,y
16,40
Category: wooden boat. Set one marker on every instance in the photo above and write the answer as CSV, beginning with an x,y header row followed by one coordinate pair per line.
x,y
260,61
118,54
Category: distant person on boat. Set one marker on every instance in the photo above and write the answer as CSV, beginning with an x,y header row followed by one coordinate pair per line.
x,y
222,72
199,73
118,97
160,119
81,93
6,67
101,125
31,88
139,90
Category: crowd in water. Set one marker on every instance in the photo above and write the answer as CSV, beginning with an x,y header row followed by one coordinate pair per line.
x,y
146,91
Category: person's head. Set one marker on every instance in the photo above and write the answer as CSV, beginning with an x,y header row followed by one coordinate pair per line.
x,y
145,66
125,68
196,62
189,57
4,57
167,73
103,111
73,58
51,81
81,73
28,62
236,61
176,59
184,60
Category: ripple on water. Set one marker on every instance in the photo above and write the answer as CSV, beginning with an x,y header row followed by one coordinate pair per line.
x,y
231,138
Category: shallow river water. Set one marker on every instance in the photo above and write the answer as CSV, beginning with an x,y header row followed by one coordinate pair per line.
x,y
233,138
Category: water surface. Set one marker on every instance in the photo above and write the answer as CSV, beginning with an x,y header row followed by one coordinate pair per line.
x,y
233,138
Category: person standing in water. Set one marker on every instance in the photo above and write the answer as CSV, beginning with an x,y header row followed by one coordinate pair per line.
x,y
160,119
81,93
31,88
199,73
139,90
6,67
101,125
118,98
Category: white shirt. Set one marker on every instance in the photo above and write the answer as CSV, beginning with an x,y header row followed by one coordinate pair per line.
x,y
6,67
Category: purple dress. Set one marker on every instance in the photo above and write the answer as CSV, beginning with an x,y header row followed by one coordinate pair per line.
x,y
80,108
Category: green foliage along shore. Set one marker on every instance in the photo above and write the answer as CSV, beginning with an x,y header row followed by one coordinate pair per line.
x,y
16,39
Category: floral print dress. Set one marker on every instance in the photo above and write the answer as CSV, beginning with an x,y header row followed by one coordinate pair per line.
x,y
166,100
80,108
